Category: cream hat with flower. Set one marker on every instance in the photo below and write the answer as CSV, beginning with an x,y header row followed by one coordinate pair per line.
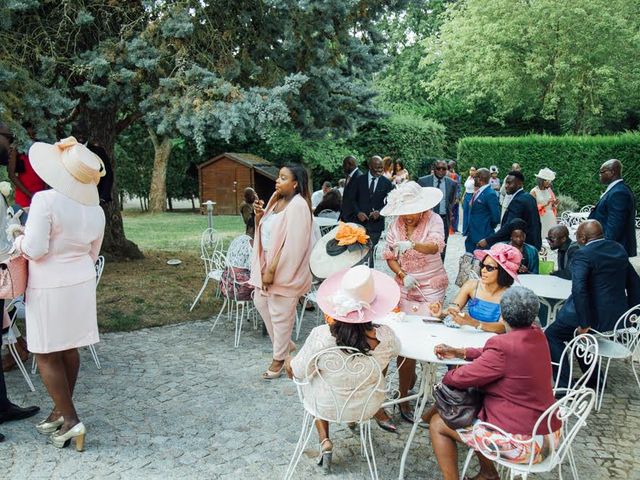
x,y
409,198
546,174
69,168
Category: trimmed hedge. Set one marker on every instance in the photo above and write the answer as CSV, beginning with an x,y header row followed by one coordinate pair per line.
x,y
575,159
414,140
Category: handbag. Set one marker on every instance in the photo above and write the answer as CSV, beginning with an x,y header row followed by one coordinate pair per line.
x,y
13,277
468,263
457,408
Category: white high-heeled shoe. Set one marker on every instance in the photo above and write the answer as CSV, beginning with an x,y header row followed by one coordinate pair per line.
x,y
78,432
45,427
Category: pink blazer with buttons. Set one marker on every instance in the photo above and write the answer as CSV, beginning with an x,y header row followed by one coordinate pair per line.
x,y
61,240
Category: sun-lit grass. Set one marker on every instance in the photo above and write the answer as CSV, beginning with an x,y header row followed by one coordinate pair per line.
x,y
148,292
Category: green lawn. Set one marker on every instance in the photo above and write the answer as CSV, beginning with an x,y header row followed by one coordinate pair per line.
x,y
176,231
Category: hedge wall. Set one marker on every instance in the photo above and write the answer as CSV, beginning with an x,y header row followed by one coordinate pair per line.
x,y
575,159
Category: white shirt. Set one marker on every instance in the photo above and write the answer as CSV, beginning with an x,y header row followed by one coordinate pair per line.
x,y
610,186
469,185
316,198
508,198
266,228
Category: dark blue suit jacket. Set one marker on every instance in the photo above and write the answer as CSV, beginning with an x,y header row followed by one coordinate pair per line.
x,y
347,208
601,273
450,186
522,206
616,211
367,203
484,215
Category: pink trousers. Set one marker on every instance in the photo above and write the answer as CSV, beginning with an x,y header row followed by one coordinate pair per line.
x,y
279,316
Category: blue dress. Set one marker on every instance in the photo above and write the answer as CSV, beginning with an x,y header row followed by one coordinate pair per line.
x,y
482,310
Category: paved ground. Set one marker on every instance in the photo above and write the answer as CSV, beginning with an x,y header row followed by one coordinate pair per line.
x,y
181,402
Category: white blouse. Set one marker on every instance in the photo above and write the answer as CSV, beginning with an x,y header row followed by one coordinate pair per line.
x,y
266,228
469,185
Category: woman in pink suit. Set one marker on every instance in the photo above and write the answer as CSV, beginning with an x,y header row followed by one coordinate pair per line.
x,y
62,240
415,240
280,265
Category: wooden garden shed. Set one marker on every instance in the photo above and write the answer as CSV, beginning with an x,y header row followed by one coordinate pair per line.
x,y
222,179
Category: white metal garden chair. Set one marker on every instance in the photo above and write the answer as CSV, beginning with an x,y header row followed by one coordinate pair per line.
x,y
213,258
585,348
320,373
572,410
621,343
9,339
310,296
238,257
587,208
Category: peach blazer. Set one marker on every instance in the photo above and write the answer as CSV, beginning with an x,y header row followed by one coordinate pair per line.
x,y
62,240
292,235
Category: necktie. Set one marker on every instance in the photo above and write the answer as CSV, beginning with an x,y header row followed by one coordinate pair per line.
x,y
372,186
439,182
474,196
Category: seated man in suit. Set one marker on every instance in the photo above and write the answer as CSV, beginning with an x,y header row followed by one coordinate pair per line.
x,y
616,209
351,173
522,205
484,211
440,179
369,195
605,285
559,240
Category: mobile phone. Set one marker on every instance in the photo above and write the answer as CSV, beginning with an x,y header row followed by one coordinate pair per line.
x,y
431,320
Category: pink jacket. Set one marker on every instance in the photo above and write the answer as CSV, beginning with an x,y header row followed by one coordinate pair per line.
x,y
292,235
61,240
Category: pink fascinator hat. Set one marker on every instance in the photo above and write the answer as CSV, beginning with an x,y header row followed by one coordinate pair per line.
x,y
506,256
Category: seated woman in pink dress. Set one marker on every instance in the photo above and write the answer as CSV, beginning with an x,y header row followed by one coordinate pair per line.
x,y
415,240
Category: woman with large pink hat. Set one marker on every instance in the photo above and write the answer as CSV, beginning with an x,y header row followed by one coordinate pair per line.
x,y
498,270
352,299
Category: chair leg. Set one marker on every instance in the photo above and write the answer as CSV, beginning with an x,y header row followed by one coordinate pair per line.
x,y
305,434
224,304
367,448
206,282
466,463
633,368
34,365
239,320
300,317
604,383
18,360
94,354
572,464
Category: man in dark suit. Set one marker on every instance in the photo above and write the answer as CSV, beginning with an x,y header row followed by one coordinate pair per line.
x,y
604,286
8,410
559,240
616,210
440,180
351,173
370,192
484,211
523,206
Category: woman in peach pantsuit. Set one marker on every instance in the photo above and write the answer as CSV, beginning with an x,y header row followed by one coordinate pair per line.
x,y
61,240
280,264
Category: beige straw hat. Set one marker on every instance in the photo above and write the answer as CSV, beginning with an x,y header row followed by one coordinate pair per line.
x,y
409,198
69,168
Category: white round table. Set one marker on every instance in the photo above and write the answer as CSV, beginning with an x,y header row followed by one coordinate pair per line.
x,y
417,341
548,287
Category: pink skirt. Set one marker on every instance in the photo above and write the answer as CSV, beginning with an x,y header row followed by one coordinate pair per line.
x,y
61,318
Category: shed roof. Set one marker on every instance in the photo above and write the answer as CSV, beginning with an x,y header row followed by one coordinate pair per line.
x,y
259,164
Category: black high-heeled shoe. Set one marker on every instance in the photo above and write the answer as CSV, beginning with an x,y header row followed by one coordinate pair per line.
x,y
386,424
407,416
324,460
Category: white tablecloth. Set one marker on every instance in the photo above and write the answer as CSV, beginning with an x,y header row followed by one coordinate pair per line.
x,y
547,286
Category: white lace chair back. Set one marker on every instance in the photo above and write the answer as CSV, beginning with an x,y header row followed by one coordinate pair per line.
x,y
211,249
99,268
352,384
572,411
239,252
626,331
587,208
585,348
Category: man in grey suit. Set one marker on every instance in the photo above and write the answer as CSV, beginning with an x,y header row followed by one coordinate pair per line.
x,y
440,180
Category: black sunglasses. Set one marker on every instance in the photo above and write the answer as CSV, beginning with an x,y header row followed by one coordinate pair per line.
x,y
440,168
488,268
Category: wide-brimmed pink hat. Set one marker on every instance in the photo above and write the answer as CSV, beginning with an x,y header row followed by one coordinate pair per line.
x,y
506,256
358,295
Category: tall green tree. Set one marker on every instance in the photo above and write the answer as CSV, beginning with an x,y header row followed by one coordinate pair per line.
x,y
573,62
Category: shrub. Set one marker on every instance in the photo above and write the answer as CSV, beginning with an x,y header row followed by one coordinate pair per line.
x,y
575,159
567,204
414,140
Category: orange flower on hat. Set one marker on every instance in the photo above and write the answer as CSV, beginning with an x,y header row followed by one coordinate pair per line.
x,y
348,235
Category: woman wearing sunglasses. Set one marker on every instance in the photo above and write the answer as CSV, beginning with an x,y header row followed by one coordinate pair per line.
x,y
498,270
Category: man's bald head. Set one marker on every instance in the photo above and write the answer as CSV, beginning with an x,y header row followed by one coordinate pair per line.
x,y
610,171
482,177
588,231
557,236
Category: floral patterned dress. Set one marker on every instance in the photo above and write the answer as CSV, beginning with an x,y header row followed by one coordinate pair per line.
x,y
427,269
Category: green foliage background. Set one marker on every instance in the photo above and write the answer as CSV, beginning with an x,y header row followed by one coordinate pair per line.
x,y
575,159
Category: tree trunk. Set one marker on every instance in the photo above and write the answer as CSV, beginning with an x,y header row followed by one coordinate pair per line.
x,y
193,203
158,190
170,204
102,131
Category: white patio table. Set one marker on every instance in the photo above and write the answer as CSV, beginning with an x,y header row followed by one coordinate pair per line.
x,y
417,341
548,287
